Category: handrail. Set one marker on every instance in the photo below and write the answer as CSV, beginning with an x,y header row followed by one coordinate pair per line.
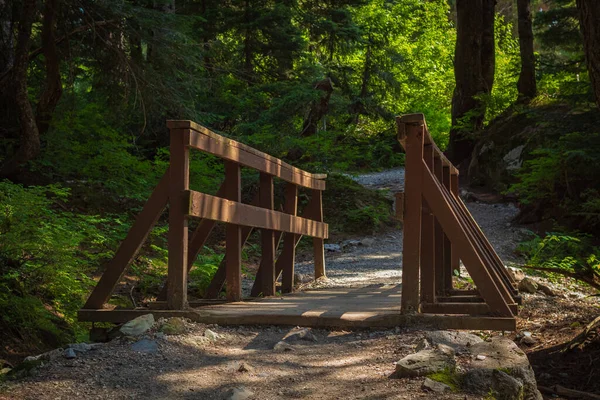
x,y
440,232
226,206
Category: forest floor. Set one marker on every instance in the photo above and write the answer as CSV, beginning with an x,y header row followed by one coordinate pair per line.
x,y
339,364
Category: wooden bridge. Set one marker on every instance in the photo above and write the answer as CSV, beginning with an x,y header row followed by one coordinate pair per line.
x,y
439,232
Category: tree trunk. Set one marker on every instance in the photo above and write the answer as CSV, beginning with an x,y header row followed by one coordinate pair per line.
x,y
30,139
526,84
467,111
488,45
6,37
53,89
589,19
318,109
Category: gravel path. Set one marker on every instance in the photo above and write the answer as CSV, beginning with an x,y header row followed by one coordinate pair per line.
x,y
378,259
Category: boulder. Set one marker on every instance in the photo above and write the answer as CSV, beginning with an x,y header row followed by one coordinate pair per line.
x,y
174,326
504,364
459,341
426,362
517,273
137,326
528,285
434,386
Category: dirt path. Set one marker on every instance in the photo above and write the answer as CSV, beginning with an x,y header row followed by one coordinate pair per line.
x,y
338,365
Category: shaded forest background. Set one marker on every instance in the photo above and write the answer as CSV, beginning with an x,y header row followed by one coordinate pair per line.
x,y
86,87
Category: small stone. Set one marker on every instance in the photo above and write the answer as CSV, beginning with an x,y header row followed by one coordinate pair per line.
x,y
145,346
239,393
434,386
422,345
212,336
174,326
335,248
304,334
245,367
528,285
70,353
480,357
138,326
367,242
546,290
159,335
5,371
282,346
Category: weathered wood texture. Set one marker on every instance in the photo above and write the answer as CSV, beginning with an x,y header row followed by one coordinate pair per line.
x,y
448,233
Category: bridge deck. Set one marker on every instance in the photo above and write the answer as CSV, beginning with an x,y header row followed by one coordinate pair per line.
x,y
363,307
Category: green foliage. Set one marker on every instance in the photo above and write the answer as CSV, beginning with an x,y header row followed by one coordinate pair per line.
x,y
448,377
561,179
45,258
573,253
350,208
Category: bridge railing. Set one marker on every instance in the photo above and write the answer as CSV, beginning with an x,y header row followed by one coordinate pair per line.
x,y
439,232
226,207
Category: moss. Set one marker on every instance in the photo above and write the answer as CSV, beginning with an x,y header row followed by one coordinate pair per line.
x,y
448,377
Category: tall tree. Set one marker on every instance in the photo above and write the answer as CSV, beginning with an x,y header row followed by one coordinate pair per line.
x,y
474,65
526,84
589,17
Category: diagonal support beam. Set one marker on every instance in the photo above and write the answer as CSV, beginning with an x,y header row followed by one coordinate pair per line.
x,y
131,245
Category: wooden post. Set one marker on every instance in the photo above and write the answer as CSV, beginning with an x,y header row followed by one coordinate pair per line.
x,y
399,196
233,234
289,240
440,276
447,263
454,259
267,263
411,255
428,261
318,243
178,224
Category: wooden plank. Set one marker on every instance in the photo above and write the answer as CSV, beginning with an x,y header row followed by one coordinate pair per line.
x,y
467,223
411,256
267,263
461,308
162,305
178,223
451,224
231,150
428,261
447,251
218,280
288,256
202,205
233,234
199,238
318,243
129,248
460,299
399,197
440,276
454,259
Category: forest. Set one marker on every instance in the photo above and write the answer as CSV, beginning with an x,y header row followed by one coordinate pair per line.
x,y
86,87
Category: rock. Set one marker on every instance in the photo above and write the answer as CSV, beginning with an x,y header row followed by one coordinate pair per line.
x,y
422,345
212,336
245,367
528,285
70,353
138,326
367,242
504,364
174,326
145,346
459,341
304,334
47,356
528,339
349,243
81,347
513,158
282,346
335,248
517,273
5,371
480,357
546,290
426,362
239,393
434,386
